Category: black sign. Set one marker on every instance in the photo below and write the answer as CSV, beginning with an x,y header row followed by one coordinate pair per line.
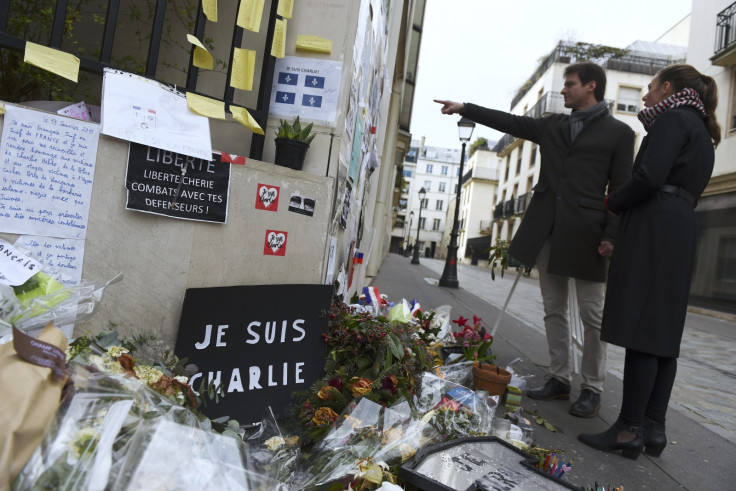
x,y
260,343
167,183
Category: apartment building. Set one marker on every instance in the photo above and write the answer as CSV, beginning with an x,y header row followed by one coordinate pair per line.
x,y
712,50
436,170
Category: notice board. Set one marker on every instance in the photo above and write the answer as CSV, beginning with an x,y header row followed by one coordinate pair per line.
x,y
261,343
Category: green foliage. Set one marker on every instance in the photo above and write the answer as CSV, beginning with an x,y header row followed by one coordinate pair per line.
x,y
480,143
294,131
498,253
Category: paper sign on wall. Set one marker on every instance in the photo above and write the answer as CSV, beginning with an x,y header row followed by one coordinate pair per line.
x,y
175,185
306,87
48,168
144,111
62,258
15,267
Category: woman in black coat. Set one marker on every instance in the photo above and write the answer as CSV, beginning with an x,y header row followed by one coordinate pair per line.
x,y
652,265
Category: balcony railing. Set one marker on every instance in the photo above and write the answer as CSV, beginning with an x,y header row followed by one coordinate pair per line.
x,y
508,208
725,28
498,211
485,226
504,142
550,103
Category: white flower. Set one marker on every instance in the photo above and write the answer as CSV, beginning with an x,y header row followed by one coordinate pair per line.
x,y
274,443
182,379
84,441
116,351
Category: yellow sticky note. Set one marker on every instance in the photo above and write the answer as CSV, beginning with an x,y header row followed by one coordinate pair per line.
x,y
202,58
2,108
244,64
278,48
285,8
249,15
205,106
209,7
314,43
243,117
63,64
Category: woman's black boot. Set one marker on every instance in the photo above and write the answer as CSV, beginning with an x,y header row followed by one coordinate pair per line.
x,y
620,436
654,437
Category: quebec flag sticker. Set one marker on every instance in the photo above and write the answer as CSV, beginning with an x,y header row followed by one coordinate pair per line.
x,y
314,82
286,78
312,100
285,97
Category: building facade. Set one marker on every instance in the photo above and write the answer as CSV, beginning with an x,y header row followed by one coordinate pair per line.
x,y
435,170
712,50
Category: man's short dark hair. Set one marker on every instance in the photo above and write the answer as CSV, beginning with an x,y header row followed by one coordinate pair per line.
x,y
590,72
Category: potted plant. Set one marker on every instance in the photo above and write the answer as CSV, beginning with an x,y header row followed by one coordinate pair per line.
x,y
292,142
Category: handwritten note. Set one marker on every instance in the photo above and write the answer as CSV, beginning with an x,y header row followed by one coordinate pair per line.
x,y
59,257
202,58
144,111
244,63
59,62
278,47
250,14
15,267
47,172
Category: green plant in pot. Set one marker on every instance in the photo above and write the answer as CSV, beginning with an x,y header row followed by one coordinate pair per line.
x,y
292,142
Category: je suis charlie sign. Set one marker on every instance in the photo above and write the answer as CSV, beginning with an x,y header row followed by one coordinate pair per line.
x,y
260,343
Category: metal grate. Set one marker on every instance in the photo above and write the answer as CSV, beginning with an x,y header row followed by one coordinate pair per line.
x,y
103,59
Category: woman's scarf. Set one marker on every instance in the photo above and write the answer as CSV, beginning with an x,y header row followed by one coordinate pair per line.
x,y
686,97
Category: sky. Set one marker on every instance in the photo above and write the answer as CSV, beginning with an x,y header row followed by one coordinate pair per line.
x,y
482,51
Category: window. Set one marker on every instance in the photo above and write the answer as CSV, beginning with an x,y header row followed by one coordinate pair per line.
x,y
422,221
443,186
444,170
628,100
533,157
456,187
429,168
438,205
458,171
407,172
436,224
518,164
411,156
424,204
427,185
508,164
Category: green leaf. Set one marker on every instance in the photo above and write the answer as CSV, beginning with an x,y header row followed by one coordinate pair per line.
x,y
395,346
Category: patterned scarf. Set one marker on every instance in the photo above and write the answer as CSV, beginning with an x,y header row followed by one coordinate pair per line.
x,y
578,119
686,97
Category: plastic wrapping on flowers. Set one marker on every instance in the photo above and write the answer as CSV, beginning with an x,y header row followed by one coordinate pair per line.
x,y
366,445
113,432
42,299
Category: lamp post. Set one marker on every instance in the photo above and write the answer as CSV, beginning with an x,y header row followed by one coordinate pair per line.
x,y
415,256
408,231
449,274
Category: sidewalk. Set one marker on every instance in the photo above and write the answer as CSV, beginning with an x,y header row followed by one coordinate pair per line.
x,y
701,426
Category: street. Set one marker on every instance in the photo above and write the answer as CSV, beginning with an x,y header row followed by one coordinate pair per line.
x,y
701,422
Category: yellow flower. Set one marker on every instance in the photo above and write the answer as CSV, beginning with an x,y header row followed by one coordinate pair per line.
x,y
324,415
326,392
360,386
292,440
274,443
116,351
147,375
84,440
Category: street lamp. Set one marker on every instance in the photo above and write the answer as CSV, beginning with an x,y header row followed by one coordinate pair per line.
x,y
415,257
408,231
449,275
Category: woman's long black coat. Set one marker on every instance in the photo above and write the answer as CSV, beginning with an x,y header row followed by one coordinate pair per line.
x,y
654,255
